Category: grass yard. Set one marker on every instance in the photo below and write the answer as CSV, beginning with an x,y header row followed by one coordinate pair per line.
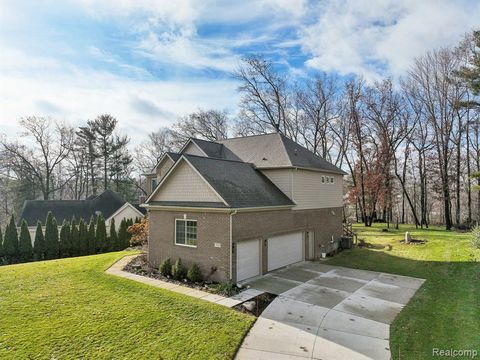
x,y
71,309
445,311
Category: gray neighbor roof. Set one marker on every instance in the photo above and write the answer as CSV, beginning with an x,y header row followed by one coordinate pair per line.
x,y
34,210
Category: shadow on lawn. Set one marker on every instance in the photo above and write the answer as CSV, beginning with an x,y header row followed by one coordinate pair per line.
x,y
369,258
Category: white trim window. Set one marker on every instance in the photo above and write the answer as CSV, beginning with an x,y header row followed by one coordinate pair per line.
x,y
186,232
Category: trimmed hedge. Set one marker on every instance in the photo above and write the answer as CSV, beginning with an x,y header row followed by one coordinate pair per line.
x,y
74,239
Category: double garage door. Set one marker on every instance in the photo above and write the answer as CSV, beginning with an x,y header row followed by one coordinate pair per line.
x,y
283,250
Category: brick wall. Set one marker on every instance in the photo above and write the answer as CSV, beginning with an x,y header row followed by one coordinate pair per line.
x,y
324,223
215,228
211,228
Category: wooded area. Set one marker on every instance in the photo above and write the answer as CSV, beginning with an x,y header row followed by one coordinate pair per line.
x,y
411,146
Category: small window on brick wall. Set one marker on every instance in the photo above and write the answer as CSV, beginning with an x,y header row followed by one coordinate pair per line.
x,y
186,232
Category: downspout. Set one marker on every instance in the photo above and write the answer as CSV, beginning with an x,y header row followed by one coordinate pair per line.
x,y
231,244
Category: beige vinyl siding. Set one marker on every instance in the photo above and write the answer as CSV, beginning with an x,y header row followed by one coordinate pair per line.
x,y
184,184
163,167
282,178
310,193
129,212
193,149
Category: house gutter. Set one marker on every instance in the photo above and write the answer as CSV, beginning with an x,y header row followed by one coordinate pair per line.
x,y
231,243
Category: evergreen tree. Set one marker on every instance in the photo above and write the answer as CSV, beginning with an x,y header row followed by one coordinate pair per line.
x,y
114,243
51,237
74,239
107,144
1,247
91,236
25,250
101,234
129,223
39,244
65,234
82,237
10,243
122,234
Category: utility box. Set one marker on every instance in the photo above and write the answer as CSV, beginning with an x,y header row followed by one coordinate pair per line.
x,y
346,242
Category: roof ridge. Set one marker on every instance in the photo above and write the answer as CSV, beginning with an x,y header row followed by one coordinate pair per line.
x,y
282,139
215,158
249,136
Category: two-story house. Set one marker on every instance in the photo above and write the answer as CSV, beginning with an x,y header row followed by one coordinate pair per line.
x,y
242,207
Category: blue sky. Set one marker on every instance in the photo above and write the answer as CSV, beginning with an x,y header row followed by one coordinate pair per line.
x,y
149,61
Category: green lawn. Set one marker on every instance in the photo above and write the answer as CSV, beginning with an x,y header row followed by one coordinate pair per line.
x,y
71,309
445,311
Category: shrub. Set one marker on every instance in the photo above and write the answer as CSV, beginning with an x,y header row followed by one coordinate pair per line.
x,y
91,236
65,245
82,237
178,270
138,233
114,243
166,268
194,274
1,246
39,243
476,237
74,239
101,235
123,234
225,289
10,243
51,237
25,250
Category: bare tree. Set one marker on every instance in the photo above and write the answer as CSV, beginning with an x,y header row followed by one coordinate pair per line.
x,y
434,85
49,144
319,101
204,124
265,96
148,153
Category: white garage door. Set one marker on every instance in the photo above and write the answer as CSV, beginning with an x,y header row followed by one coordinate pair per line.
x,y
248,259
284,250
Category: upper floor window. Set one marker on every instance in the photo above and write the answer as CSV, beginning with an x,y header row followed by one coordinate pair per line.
x,y
186,232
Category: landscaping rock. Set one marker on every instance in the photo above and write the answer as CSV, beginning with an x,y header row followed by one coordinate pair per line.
x,y
408,238
249,305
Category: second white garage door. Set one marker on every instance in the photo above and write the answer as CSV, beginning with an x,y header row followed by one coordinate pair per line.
x,y
248,259
284,250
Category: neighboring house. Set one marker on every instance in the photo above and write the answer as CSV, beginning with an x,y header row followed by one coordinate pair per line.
x,y
109,204
242,207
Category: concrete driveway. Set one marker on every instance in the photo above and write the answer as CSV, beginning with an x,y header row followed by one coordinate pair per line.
x,y
327,312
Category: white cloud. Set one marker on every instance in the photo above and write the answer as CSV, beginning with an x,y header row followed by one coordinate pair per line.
x,y
78,95
361,36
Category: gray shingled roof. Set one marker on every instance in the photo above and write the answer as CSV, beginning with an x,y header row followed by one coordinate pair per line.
x,y
215,149
276,151
238,183
34,210
173,155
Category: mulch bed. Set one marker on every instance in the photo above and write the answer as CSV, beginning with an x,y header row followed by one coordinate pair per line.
x,y
413,242
139,266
